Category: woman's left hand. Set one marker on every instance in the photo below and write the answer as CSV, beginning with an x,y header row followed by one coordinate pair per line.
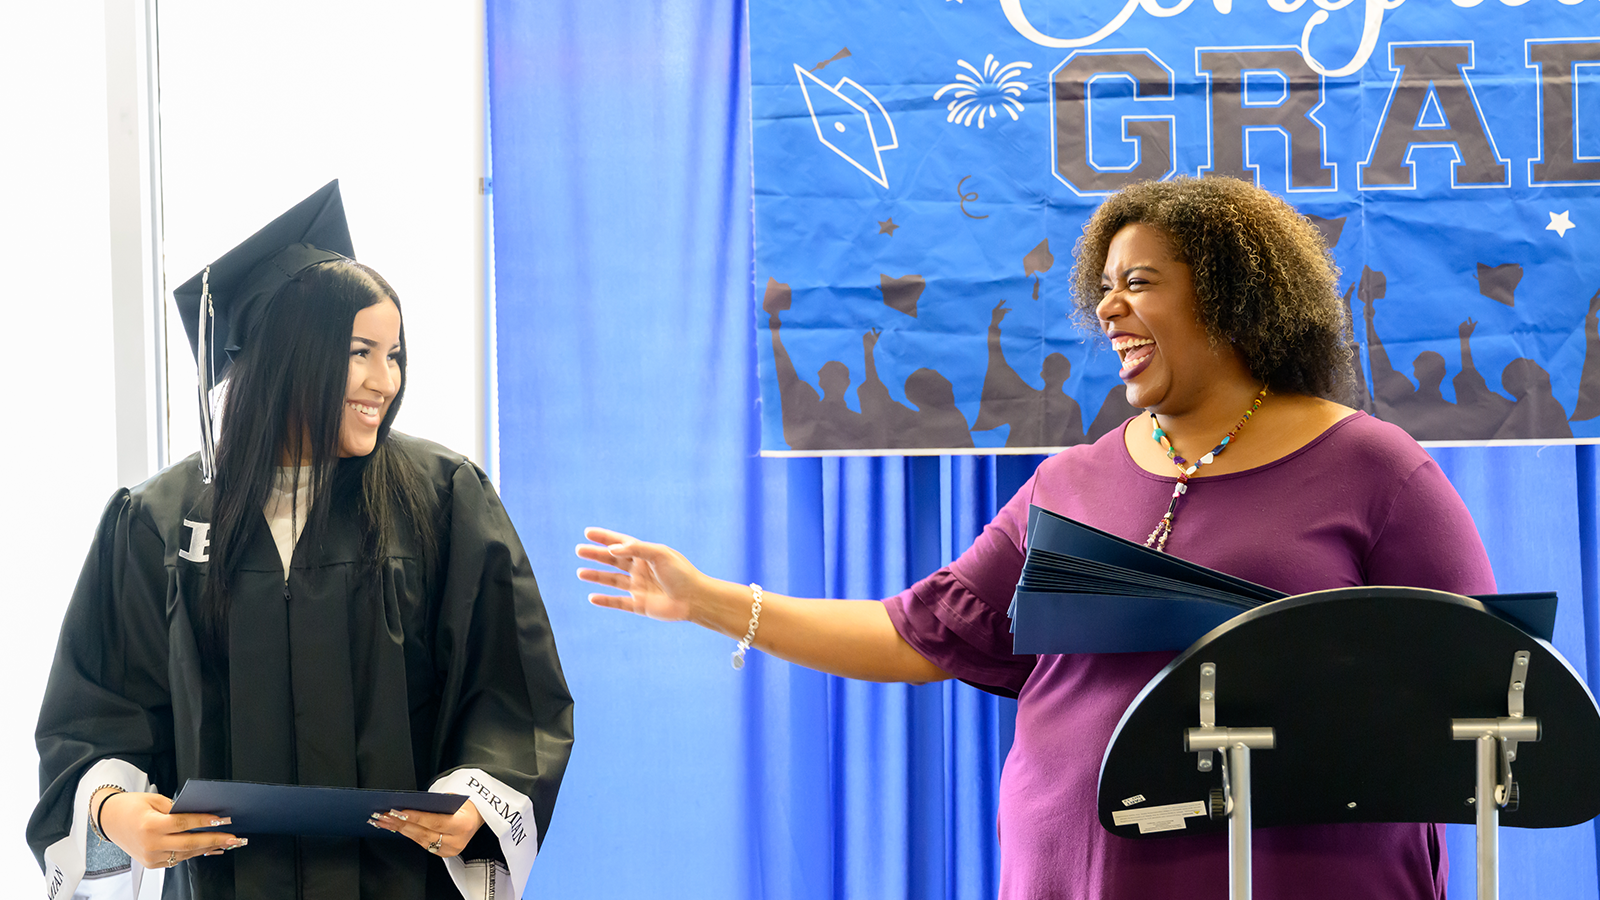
x,y
439,834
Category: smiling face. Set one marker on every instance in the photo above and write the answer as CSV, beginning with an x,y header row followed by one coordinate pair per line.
x,y
374,377
1147,308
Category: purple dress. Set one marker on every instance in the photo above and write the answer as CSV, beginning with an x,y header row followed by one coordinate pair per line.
x,y
1361,504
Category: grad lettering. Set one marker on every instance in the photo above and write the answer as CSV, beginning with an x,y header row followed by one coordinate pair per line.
x,y
1150,137
56,881
1560,160
511,816
1255,93
1431,104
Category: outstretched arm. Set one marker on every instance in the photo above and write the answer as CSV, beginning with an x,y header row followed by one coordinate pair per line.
x,y
1388,386
1470,386
1363,398
1464,333
773,302
852,638
1003,379
1005,396
873,393
1588,405
797,399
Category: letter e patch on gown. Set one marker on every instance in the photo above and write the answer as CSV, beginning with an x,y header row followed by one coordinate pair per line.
x,y
199,542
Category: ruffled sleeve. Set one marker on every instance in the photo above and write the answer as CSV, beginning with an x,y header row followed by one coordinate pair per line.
x,y
957,617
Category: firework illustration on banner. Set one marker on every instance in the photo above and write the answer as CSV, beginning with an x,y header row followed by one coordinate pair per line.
x,y
978,95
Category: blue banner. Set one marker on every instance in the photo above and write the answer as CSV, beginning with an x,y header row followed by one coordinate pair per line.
x,y
923,169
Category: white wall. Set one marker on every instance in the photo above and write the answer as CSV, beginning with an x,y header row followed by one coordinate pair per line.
x,y
263,103
259,107
56,421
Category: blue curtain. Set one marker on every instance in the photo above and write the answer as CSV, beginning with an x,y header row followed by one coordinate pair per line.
x,y
1537,508
623,260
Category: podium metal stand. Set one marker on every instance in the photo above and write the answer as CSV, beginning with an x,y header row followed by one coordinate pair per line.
x,y
1370,704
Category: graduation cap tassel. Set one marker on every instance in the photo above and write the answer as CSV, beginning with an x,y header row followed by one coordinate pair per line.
x,y
207,378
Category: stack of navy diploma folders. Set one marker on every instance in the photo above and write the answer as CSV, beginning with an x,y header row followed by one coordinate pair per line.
x,y
1085,591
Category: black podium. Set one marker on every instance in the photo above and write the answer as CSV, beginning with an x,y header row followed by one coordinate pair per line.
x,y
1369,704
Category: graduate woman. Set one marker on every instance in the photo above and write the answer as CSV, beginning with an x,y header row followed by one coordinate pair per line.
x,y
335,604
1221,303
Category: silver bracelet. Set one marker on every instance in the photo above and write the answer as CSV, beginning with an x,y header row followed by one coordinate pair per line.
x,y
755,619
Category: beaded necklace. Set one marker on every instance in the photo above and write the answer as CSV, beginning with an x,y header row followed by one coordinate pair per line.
x,y
1158,538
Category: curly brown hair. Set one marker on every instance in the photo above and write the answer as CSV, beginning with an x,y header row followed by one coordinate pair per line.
x,y
1263,277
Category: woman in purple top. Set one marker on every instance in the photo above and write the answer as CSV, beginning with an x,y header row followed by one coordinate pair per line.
x,y
1220,301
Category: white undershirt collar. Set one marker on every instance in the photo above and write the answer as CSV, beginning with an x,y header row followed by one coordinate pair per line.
x,y
288,505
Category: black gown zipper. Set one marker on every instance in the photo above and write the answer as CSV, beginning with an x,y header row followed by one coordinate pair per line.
x,y
294,743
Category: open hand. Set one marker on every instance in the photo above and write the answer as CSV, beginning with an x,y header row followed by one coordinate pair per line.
x,y
997,314
659,581
141,824
444,835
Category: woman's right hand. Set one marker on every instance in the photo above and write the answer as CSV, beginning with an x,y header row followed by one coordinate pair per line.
x,y
143,827
852,638
659,581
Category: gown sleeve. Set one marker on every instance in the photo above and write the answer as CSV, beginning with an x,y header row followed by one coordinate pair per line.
x,y
106,717
506,716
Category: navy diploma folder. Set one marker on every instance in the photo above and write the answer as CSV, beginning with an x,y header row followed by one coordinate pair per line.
x,y
302,809
1084,590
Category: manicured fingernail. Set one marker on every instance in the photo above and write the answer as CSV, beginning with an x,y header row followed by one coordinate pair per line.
x,y
373,822
238,842
398,814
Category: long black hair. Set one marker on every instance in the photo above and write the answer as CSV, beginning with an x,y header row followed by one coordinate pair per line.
x,y
285,400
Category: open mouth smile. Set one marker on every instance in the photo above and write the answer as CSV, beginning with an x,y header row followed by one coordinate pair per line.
x,y
369,413
1135,353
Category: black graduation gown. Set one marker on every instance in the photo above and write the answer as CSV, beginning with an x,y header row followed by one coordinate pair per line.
x,y
328,682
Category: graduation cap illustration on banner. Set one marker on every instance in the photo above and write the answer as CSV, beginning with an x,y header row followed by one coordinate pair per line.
x,y
222,304
851,122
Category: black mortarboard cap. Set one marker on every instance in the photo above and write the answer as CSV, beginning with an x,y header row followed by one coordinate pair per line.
x,y
224,303
244,280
